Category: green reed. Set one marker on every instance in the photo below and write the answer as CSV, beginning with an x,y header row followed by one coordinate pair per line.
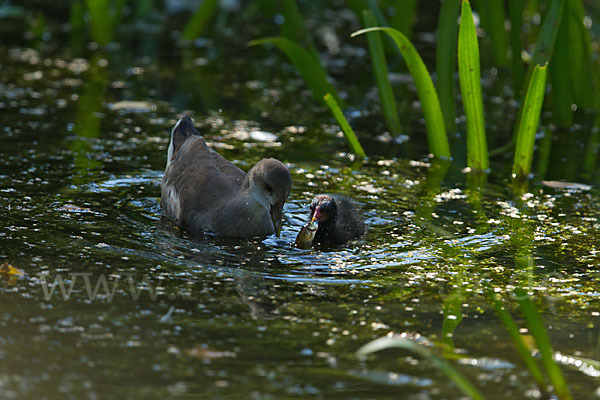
x,y
309,67
385,342
470,86
434,120
353,142
446,60
540,335
315,77
104,16
200,19
380,69
530,116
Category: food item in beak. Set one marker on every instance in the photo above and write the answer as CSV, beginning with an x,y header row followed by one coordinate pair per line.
x,y
306,235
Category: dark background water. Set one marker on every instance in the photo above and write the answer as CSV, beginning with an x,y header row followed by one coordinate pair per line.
x,y
79,202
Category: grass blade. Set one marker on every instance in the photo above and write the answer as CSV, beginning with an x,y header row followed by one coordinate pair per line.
x,y
434,120
381,19
538,331
562,63
343,123
515,10
470,87
386,342
530,117
591,150
513,330
446,60
390,111
200,19
357,6
492,18
452,308
310,69
100,21
547,37
294,29
584,90
545,43
404,16
543,154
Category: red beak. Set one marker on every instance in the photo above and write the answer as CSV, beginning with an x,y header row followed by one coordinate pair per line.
x,y
317,215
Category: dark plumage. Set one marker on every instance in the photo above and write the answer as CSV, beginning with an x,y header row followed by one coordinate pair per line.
x,y
203,192
338,218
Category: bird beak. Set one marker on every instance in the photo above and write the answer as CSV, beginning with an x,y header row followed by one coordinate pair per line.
x,y
316,215
276,214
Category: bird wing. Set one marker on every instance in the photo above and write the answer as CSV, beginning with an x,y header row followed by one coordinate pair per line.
x,y
201,181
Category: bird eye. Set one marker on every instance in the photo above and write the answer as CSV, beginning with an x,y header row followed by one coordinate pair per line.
x,y
269,188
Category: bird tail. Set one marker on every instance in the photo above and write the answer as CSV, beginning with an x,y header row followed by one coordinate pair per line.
x,y
183,129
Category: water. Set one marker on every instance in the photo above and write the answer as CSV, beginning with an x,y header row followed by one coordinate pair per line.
x,y
147,312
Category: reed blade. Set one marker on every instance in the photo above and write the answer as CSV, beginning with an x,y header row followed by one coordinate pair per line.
x,y
538,331
200,19
100,21
434,119
470,87
515,9
562,91
294,29
547,37
459,380
388,102
311,70
530,117
343,123
517,339
446,60
404,16
492,18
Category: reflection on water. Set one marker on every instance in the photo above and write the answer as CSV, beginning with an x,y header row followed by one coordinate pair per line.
x,y
117,304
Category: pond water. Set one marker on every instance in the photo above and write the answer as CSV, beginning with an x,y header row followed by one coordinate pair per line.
x,y
115,304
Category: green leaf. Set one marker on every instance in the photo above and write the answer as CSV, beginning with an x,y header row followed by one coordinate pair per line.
x,y
538,331
434,120
306,64
513,330
387,342
446,60
492,19
453,316
515,9
562,91
77,17
380,69
584,90
404,16
470,87
294,29
100,21
530,117
200,19
346,128
544,47
548,34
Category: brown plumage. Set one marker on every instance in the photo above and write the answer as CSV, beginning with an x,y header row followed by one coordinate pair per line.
x,y
203,192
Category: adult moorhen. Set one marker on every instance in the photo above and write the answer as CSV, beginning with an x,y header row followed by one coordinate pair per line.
x,y
203,192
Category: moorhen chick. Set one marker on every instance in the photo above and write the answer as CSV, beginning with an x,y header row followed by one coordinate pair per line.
x,y
203,192
334,220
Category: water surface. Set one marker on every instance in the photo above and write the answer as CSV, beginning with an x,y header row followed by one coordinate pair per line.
x,y
148,312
